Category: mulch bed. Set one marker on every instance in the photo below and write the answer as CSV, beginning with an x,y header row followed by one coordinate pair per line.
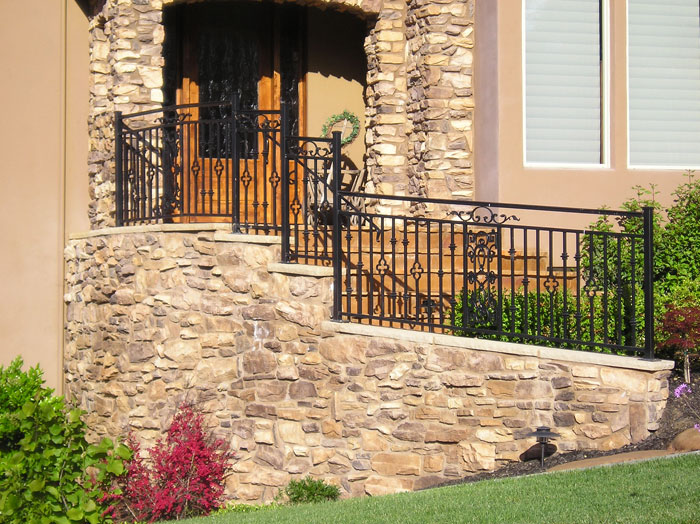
x,y
676,418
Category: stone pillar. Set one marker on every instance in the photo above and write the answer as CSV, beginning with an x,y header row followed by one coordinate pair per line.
x,y
126,63
386,136
440,97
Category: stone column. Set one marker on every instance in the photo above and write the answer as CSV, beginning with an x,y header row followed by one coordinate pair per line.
x,y
126,75
386,136
440,97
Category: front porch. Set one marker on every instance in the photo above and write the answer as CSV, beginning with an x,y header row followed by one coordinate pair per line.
x,y
492,270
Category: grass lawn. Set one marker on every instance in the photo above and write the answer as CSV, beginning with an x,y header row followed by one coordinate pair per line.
x,y
657,491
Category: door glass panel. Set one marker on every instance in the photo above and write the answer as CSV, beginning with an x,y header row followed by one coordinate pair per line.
x,y
228,64
228,59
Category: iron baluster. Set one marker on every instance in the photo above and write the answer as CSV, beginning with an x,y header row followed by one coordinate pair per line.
x,y
285,184
118,167
337,229
649,281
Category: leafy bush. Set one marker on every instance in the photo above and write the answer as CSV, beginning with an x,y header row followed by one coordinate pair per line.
x,y
183,476
49,473
17,387
676,254
546,319
682,326
310,490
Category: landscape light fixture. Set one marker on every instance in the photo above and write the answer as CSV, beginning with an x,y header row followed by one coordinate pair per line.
x,y
543,434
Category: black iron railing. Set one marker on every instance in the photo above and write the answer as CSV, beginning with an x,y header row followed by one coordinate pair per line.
x,y
498,271
215,162
533,274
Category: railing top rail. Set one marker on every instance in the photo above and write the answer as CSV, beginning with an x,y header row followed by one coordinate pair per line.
x,y
175,107
198,105
504,205
312,139
352,209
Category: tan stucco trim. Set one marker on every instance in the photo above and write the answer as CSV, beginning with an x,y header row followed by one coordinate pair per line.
x,y
305,270
61,193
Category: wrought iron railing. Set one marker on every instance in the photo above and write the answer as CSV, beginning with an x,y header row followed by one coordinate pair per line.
x,y
215,162
498,271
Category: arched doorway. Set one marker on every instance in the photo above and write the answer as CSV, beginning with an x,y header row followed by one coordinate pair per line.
x,y
260,54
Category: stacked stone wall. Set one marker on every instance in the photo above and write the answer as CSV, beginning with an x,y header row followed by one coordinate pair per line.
x,y
440,37
161,315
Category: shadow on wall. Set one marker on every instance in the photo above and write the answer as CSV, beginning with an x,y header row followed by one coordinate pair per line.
x,y
337,72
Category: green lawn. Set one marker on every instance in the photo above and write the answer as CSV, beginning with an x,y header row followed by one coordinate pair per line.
x,y
658,491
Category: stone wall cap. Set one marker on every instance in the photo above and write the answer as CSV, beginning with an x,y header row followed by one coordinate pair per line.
x,y
222,232
306,270
494,346
227,236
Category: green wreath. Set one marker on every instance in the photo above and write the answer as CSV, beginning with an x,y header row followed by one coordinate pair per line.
x,y
345,115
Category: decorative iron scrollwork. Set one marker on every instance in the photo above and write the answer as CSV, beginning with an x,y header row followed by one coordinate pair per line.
x,y
310,148
482,215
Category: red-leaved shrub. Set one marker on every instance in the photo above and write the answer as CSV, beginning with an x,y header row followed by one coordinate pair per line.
x,y
182,477
682,324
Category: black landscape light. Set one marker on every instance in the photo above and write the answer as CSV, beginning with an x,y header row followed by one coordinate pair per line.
x,y
543,434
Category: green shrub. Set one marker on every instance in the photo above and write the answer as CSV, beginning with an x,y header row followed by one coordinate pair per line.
x,y
676,253
17,387
310,490
545,319
50,474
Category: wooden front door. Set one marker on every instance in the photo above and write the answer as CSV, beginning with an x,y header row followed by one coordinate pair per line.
x,y
251,52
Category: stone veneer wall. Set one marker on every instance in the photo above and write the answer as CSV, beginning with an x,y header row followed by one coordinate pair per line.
x,y
419,103
158,315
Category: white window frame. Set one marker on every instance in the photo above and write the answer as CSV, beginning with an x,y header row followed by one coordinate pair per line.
x,y
604,102
630,165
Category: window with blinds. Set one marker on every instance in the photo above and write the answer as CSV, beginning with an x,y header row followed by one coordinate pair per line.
x,y
664,83
563,67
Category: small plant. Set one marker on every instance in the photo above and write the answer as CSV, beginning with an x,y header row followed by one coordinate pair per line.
x,y
682,324
183,476
539,318
676,272
310,490
237,507
681,392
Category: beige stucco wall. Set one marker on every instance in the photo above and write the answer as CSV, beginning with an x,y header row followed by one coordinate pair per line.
x,y
500,174
335,81
43,152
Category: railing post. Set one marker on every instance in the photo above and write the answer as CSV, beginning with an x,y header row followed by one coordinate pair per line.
x,y
337,229
284,190
118,176
236,204
649,281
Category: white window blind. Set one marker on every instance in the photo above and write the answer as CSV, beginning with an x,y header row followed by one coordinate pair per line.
x,y
562,81
664,83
